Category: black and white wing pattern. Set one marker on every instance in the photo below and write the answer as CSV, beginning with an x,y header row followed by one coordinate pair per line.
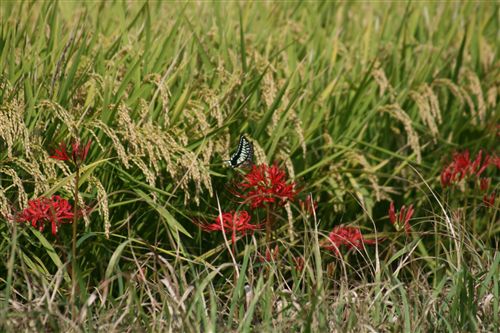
x,y
243,155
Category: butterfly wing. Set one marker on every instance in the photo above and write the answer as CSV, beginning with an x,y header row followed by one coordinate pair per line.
x,y
246,158
244,153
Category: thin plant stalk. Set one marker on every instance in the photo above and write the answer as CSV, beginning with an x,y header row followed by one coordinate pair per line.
x,y
73,244
233,241
268,225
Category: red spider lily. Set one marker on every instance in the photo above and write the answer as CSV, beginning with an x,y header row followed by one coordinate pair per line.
x,y
299,263
266,184
402,219
271,255
78,153
495,160
60,154
40,211
350,237
478,167
462,166
232,222
489,200
309,206
484,184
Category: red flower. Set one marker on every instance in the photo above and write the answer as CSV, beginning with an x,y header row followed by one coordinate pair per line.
x,y
308,205
271,255
462,167
231,222
266,184
78,153
299,263
457,169
350,237
484,184
478,167
489,200
495,160
61,154
44,210
403,220
446,177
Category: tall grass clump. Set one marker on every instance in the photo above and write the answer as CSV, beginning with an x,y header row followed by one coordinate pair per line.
x,y
371,203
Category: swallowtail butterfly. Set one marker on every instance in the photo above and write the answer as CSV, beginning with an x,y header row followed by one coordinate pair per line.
x,y
243,155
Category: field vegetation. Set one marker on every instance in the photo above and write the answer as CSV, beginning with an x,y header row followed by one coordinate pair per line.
x,y
371,204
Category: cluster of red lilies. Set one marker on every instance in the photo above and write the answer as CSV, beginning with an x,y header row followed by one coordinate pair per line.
x,y
462,169
263,187
41,211
267,187
54,210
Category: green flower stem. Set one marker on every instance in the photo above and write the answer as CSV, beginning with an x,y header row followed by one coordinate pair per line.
x,y
73,244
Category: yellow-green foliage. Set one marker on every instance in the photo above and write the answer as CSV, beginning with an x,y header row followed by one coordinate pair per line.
x,y
361,103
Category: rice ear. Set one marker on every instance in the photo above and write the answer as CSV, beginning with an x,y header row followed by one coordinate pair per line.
x,y
395,111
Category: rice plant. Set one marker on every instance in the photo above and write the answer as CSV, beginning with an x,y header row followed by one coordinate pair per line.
x,y
249,167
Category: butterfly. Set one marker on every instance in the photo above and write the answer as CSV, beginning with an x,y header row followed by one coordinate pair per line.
x,y
243,155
